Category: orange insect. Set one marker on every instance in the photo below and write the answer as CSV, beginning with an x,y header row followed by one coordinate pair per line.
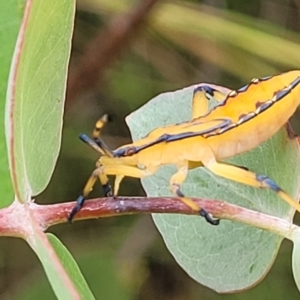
x,y
242,121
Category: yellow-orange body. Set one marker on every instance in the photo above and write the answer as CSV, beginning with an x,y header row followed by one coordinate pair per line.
x,y
242,121
242,137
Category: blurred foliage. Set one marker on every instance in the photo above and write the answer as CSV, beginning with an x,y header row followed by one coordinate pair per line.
x,y
182,43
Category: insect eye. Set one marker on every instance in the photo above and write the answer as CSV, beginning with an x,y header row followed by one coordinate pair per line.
x,y
130,151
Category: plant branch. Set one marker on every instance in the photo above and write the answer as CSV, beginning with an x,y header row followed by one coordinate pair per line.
x,y
49,215
14,219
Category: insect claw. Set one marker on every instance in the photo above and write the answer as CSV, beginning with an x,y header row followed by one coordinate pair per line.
x,y
80,201
208,217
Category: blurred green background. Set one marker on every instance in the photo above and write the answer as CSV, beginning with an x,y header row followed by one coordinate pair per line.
x,y
125,53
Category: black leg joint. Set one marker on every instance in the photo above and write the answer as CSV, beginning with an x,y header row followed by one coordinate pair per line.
x,y
269,182
80,201
203,213
179,193
107,190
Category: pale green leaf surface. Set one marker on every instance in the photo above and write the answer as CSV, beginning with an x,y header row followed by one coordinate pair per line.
x,y
61,283
11,13
231,256
71,267
36,97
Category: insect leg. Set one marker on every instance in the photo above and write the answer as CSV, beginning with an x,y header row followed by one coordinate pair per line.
x,y
199,103
101,172
115,166
175,185
249,178
118,180
104,182
204,98
80,200
120,171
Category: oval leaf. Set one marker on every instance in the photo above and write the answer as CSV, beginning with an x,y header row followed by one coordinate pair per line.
x,y
70,266
232,256
36,93
61,282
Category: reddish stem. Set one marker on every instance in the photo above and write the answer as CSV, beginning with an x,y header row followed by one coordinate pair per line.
x,y
14,219
107,207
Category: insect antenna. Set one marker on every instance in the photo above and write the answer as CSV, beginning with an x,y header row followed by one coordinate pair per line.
x,y
108,152
92,143
99,126
96,135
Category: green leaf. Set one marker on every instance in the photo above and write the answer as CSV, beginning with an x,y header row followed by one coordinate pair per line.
x,y
231,256
60,281
71,267
11,13
99,267
36,93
